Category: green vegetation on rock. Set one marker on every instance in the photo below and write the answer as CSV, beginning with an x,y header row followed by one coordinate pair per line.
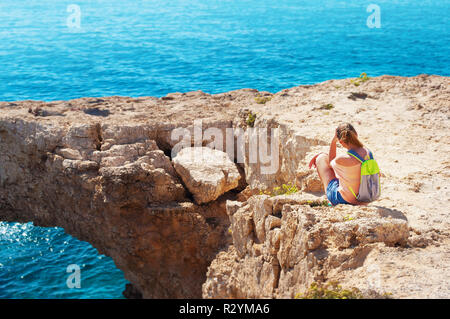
x,y
362,78
251,119
262,99
328,106
331,290
285,189
318,203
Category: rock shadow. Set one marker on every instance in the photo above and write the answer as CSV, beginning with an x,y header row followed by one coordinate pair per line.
x,y
97,112
386,212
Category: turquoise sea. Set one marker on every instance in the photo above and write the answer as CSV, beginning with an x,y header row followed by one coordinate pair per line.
x,y
57,49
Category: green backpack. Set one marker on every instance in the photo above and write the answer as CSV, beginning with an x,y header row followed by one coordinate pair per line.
x,y
370,186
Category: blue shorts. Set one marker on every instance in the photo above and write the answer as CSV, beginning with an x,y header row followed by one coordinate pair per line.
x,y
332,193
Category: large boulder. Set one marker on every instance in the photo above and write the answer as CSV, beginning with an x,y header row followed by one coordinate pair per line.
x,y
206,173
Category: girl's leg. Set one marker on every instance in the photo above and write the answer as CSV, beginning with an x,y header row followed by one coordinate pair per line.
x,y
326,173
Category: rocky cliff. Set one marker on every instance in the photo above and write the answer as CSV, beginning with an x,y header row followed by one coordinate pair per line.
x,y
106,171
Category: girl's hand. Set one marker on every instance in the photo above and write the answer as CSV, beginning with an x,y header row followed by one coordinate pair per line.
x,y
335,138
313,161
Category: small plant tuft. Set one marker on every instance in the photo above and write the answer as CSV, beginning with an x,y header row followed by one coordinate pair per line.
x,y
251,117
348,218
318,203
262,99
285,189
328,106
331,290
361,79
363,76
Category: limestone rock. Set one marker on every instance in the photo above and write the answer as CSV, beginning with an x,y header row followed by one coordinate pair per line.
x,y
207,173
126,200
101,168
281,245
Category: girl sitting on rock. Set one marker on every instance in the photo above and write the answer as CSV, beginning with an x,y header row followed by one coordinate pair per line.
x,y
341,175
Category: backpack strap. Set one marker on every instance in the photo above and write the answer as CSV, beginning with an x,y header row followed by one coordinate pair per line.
x,y
359,158
355,155
353,192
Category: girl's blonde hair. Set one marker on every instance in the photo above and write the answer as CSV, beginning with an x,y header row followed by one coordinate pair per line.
x,y
346,133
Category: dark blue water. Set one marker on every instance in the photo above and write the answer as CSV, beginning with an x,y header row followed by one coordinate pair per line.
x,y
142,48
34,264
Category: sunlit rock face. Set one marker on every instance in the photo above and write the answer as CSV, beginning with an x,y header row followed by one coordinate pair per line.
x,y
103,169
281,245
207,173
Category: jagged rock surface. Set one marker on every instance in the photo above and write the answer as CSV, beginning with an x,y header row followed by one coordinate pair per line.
x,y
101,168
281,245
126,200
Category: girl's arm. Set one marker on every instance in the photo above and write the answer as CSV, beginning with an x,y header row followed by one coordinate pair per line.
x,y
332,153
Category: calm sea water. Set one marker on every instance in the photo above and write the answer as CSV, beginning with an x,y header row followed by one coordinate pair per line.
x,y
141,48
34,264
